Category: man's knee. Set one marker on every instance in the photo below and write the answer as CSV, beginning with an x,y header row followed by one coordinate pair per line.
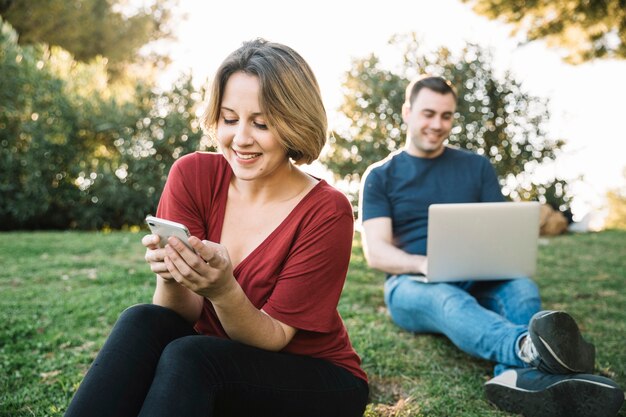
x,y
525,288
421,308
452,302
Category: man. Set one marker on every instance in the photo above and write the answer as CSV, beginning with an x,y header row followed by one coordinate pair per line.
x,y
543,364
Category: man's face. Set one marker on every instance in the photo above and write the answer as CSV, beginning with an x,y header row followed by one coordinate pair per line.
x,y
429,121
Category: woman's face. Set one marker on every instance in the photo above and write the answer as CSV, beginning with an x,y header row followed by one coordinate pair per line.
x,y
247,143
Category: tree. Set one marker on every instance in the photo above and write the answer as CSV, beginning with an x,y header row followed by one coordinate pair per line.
x,y
41,135
586,29
90,28
495,117
75,155
616,199
123,180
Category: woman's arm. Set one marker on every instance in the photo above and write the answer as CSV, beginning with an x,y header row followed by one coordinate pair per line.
x,y
209,274
168,292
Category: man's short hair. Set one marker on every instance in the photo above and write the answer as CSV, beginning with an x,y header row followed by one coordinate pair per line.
x,y
437,84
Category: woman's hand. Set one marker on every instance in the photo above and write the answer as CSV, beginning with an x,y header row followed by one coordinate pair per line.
x,y
155,256
207,272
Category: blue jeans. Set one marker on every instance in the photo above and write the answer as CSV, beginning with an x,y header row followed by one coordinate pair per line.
x,y
485,319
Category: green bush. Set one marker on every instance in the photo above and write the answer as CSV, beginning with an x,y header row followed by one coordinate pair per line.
x,y
77,152
123,181
38,122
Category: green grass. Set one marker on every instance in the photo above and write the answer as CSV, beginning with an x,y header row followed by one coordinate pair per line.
x,y
60,293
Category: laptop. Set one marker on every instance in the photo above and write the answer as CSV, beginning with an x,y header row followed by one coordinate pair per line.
x,y
482,241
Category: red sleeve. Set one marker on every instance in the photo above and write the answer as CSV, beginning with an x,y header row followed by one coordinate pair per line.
x,y
189,195
310,283
178,201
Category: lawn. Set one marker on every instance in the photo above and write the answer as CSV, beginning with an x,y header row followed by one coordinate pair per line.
x,y
60,293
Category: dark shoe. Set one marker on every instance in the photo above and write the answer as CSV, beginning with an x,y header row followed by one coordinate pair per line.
x,y
533,393
560,347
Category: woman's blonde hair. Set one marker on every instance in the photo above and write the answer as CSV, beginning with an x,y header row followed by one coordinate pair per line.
x,y
290,96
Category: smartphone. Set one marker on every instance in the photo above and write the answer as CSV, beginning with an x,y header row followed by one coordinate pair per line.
x,y
166,228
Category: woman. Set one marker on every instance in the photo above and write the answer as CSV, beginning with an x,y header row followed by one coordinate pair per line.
x,y
248,323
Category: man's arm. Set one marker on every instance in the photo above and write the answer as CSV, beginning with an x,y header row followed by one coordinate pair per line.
x,y
381,254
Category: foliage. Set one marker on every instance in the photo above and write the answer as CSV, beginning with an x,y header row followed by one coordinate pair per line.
x,y
114,29
372,104
495,117
38,122
73,153
616,200
585,29
123,182
61,292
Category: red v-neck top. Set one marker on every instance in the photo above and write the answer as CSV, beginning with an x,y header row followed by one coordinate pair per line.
x,y
295,275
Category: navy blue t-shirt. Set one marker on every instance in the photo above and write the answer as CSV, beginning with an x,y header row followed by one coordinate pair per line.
x,y
402,187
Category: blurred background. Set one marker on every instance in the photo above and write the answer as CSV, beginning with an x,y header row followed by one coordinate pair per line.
x,y
99,97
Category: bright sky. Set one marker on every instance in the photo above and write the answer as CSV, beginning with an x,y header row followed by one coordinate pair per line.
x,y
586,101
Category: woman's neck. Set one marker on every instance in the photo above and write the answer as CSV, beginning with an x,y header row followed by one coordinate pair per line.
x,y
284,185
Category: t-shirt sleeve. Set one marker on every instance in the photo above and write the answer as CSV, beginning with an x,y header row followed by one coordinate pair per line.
x,y
309,285
374,201
179,202
490,190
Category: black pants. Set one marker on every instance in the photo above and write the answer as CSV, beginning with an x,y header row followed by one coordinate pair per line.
x,y
155,364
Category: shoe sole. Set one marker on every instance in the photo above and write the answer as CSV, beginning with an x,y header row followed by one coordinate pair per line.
x,y
568,398
556,335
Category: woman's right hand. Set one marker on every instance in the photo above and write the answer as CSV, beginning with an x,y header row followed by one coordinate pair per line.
x,y
155,256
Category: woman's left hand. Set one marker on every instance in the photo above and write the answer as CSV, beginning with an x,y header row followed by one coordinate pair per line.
x,y
208,272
